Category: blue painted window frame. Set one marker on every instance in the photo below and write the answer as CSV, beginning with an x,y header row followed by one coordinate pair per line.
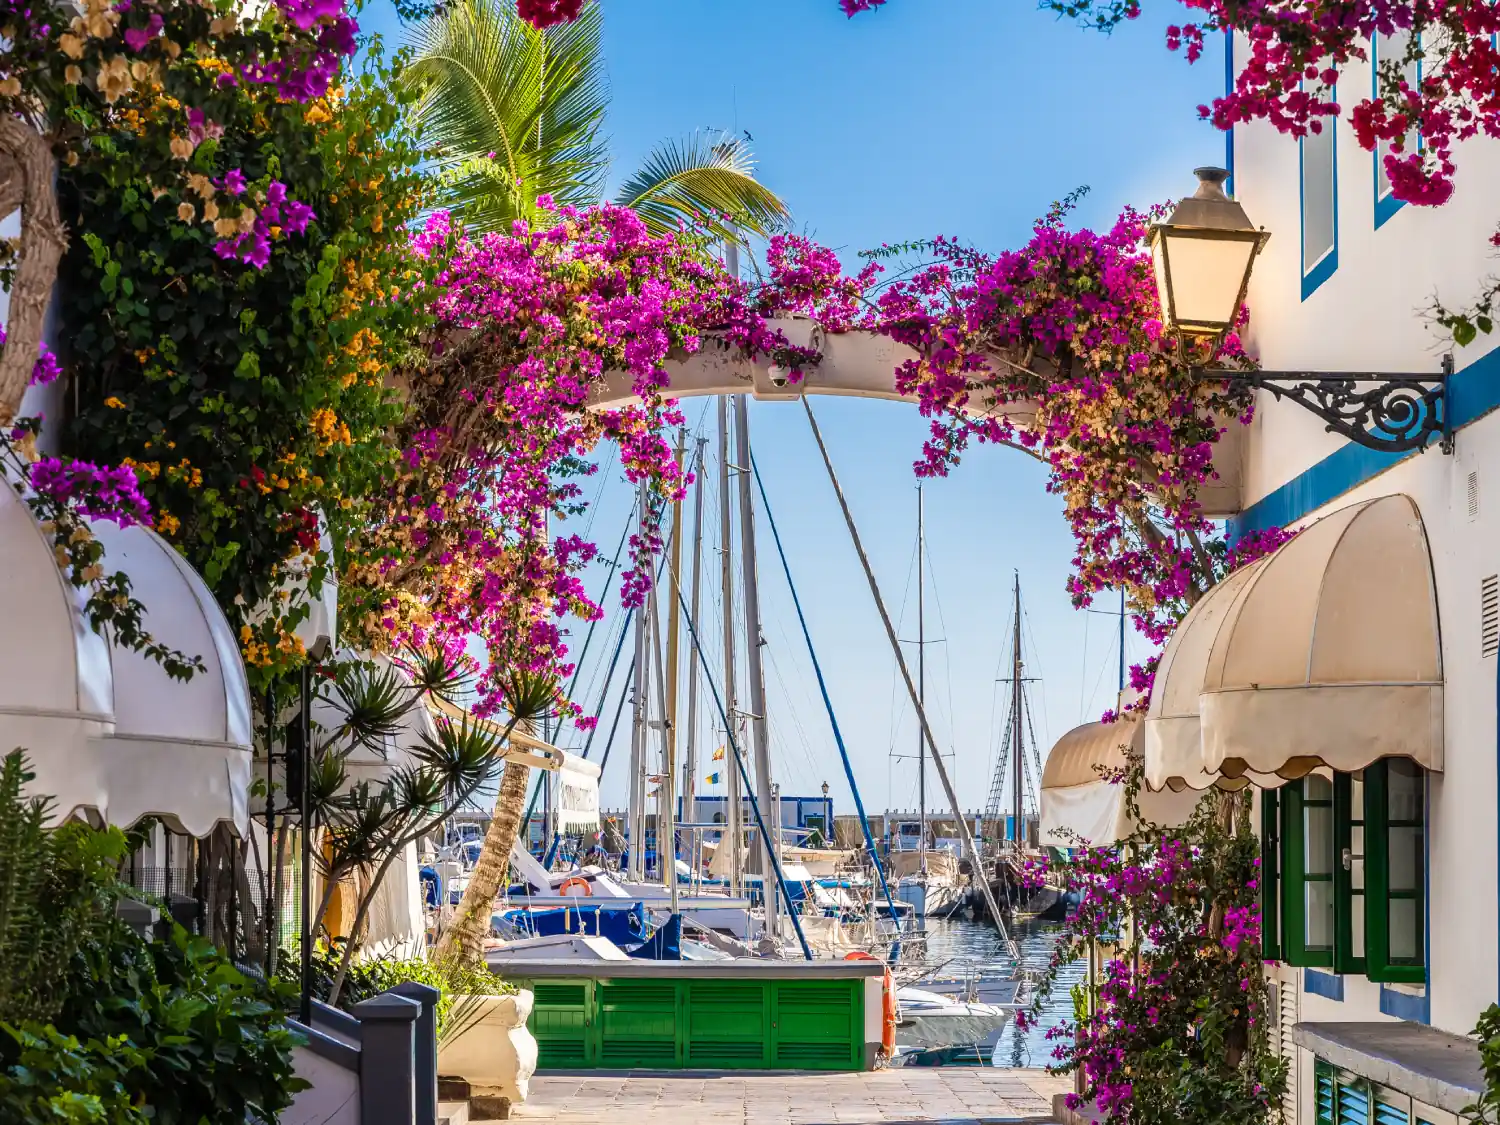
x,y
1385,206
1324,267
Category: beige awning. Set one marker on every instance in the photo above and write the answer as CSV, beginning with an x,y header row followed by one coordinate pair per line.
x,y
1330,652
1173,737
1083,792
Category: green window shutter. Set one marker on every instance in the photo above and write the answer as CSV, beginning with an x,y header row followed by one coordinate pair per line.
x,y
1349,873
1270,865
1353,1101
1325,1093
1307,891
1395,907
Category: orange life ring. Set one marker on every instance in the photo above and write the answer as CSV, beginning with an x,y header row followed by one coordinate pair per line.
x,y
568,885
888,1006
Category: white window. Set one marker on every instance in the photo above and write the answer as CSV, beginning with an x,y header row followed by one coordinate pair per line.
x,y
1319,206
1388,52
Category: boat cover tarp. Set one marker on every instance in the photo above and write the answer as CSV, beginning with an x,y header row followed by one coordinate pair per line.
x,y
621,925
664,945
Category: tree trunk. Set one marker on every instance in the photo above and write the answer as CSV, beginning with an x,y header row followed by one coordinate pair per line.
x,y
463,941
28,159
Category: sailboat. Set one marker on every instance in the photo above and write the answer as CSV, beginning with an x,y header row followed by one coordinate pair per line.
x,y
928,878
1019,766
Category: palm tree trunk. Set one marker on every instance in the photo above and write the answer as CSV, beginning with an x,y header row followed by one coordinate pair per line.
x,y
463,940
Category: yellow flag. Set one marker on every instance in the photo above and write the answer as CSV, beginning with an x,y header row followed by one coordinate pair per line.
x,y
719,754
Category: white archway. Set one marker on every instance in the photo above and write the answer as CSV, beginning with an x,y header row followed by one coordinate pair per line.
x,y
862,364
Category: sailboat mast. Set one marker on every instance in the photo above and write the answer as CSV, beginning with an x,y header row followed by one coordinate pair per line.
x,y
636,818
921,688
1016,748
666,843
733,835
764,791
690,754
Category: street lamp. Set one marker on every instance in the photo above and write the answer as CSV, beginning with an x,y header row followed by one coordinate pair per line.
x,y
1202,258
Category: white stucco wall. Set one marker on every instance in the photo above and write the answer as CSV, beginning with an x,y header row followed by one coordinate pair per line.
x,y
1369,312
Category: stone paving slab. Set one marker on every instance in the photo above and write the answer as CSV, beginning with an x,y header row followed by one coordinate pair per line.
x,y
947,1095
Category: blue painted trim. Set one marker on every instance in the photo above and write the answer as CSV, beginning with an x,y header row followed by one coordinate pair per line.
x,y
1315,275
1405,1006
1229,89
1327,985
1473,392
1385,206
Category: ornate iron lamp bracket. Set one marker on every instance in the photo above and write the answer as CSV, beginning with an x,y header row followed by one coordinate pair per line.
x,y
1390,412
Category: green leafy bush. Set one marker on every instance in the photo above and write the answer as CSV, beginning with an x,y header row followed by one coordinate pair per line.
x,y
1486,1111
369,978
55,1078
98,1024
55,887
214,1042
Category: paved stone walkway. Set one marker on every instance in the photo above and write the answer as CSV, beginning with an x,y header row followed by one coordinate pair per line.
x,y
951,1095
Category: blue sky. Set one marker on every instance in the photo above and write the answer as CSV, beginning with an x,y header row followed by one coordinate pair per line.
x,y
958,117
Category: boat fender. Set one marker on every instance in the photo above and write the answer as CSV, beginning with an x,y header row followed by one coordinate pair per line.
x,y
575,886
890,1013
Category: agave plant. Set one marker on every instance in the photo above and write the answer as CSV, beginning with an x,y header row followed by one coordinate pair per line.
x,y
515,113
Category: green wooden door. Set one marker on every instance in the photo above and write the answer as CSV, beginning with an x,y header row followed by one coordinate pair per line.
x,y
818,1024
728,1024
561,1019
637,1023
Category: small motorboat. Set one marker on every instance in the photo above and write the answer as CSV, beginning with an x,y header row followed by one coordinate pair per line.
x,y
929,1019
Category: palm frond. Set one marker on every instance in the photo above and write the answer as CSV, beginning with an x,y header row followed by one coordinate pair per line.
x,y
463,754
513,112
705,180
372,702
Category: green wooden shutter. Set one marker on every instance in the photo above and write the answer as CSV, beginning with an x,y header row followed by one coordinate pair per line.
x,y
1307,914
819,1024
1325,1092
561,1022
728,1024
1270,865
1395,907
638,1023
1349,873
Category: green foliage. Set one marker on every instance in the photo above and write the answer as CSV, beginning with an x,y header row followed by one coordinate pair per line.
x,y
56,1080
367,979
248,400
1486,1109
213,1044
55,887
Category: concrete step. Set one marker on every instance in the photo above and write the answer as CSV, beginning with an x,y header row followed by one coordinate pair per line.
x,y
453,1113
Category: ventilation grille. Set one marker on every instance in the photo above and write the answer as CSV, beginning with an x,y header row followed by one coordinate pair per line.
x,y
1473,496
1286,1019
1489,615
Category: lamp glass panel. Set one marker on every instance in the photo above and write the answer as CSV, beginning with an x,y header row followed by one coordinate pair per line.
x,y
1206,276
1163,287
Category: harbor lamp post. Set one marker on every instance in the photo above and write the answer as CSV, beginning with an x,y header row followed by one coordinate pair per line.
x,y
1203,256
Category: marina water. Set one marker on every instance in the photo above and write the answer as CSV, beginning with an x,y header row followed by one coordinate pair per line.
x,y
970,946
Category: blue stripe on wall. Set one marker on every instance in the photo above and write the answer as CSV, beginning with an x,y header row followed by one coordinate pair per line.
x,y
1472,393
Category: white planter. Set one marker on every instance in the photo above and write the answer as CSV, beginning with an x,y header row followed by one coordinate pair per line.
x,y
494,1052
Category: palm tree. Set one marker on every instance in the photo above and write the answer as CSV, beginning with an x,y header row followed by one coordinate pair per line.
x,y
516,113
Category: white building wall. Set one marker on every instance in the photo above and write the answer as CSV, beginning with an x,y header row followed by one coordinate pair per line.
x,y
1370,313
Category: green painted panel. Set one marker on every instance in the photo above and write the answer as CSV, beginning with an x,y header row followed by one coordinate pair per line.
x,y
728,1024
638,1023
697,1023
560,1023
818,1024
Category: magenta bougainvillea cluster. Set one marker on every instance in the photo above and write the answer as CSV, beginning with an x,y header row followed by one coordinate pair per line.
x,y
1177,1029
473,540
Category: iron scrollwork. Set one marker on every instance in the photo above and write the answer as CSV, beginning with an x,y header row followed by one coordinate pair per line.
x,y
1394,413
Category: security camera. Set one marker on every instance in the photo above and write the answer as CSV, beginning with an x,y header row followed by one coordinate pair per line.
x,y
779,376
